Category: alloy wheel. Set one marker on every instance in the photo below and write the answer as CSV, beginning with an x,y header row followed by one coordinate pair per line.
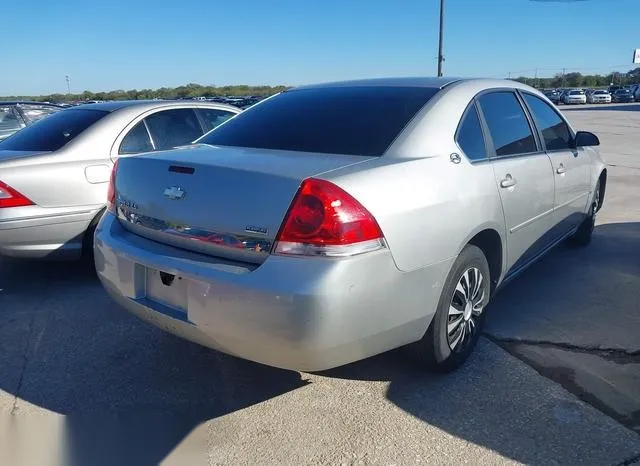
x,y
465,309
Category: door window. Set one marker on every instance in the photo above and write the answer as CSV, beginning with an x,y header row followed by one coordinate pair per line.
x,y
175,127
508,124
136,141
213,117
555,131
469,136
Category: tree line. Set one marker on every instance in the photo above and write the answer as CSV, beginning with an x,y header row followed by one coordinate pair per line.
x,y
583,80
196,90
181,92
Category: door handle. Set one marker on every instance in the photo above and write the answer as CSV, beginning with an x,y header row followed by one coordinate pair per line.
x,y
561,170
508,182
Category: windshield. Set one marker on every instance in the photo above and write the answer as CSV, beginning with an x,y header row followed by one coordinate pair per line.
x,y
332,120
576,93
601,92
53,132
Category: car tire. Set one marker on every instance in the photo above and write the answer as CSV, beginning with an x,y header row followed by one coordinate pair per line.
x,y
582,236
87,241
446,346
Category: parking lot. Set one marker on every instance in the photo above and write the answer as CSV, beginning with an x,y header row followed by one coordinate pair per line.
x,y
554,381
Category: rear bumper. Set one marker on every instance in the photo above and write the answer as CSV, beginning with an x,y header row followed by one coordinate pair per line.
x,y
295,313
36,233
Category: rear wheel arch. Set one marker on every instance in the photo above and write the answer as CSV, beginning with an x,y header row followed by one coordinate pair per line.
x,y
87,241
490,243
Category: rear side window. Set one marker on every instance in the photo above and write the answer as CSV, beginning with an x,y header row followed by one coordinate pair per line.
x,y
555,130
212,117
53,132
469,136
508,124
334,120
136,141
175,127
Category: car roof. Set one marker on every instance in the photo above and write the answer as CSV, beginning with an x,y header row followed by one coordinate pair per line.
x,y
28,102
430,82
147,104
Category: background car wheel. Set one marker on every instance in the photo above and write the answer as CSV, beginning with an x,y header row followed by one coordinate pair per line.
x,y
87,241
459,319
582,236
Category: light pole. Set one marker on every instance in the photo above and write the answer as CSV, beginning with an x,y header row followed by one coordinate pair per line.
x,y
440,57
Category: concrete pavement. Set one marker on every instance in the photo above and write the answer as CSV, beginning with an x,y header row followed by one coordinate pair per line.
x,y
575,316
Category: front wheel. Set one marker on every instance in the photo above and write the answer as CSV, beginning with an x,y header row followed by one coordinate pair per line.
x,y
459,318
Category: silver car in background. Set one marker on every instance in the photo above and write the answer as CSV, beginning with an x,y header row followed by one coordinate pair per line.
x,y
333,222
54,174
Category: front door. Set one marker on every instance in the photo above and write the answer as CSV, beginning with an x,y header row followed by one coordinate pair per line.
x,y
571,166
524,177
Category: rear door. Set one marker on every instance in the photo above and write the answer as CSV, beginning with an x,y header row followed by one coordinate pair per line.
x,y
523,175
571,166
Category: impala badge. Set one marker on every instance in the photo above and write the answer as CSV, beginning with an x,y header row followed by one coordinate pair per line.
x,y
174,193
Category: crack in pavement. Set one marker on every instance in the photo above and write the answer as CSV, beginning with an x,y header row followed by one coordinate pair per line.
x,y
27,347
621,356
635,459
617,404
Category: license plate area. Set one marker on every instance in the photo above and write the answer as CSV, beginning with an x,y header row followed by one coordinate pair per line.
x,y
167,289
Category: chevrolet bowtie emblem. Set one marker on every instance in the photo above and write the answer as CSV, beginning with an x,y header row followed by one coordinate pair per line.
x,y
174,193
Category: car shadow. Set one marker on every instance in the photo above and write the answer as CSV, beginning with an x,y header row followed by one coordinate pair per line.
x,y
130,393
121,382
505,406
629,107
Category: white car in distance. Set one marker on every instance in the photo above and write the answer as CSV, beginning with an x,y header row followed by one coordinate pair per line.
x,y
575,96
600,96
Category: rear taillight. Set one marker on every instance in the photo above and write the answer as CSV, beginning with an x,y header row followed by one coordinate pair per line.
x,y
325,220
9,197
111,192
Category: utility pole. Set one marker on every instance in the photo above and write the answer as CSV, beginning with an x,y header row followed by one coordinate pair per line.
x,y
563,71
440,57
535,83
68,84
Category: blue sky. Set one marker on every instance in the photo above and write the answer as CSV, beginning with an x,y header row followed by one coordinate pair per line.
x,y
127,44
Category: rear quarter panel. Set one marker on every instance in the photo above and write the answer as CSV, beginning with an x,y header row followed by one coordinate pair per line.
x,y
428,208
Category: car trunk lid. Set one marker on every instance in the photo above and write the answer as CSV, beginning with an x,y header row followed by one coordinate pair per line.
x,y
222,201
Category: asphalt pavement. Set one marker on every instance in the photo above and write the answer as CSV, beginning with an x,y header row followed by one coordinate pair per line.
x,y
553,382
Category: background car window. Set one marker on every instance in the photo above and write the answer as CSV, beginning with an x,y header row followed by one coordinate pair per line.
x,y
555,130
37,112
53,132
508,124
136,141
9,121
470,137
333,120
213,117
176,127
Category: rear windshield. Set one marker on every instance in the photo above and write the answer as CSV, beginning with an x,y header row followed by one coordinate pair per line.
x,y
53,132
334,120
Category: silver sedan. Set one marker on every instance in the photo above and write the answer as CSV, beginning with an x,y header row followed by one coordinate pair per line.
x,y
330,223
54,174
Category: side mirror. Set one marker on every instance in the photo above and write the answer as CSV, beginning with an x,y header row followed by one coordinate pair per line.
x,y
586,139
